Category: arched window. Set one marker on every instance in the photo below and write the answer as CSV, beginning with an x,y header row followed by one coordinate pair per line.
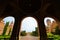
x,y
52,28
29,29
6,27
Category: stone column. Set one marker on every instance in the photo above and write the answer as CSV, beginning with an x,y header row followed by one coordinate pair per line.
x,y
42,29
16,28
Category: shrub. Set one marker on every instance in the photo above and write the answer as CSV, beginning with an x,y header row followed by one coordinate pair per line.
x,y
53,37
23,33
35,33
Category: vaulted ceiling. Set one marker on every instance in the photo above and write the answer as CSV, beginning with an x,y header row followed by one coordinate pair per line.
x,y
29,7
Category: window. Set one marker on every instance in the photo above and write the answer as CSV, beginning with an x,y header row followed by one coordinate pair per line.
x,y
29,29
6,27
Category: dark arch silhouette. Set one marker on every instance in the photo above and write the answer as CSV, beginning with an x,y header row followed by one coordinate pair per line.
x,y
47,8
32,19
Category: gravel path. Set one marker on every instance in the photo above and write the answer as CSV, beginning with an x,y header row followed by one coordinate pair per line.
x,y
28,37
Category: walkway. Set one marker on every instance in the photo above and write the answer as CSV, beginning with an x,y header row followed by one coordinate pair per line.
x,y
28,37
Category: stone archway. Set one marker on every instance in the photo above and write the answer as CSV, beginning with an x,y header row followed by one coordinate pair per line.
x,y
30,21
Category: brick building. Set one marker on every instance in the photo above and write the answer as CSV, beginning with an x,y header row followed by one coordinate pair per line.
x,y
51,26
2,24
1,27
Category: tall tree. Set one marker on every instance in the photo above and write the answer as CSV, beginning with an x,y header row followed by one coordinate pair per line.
x,y
5,28
23,33
35,33
9,32
57,31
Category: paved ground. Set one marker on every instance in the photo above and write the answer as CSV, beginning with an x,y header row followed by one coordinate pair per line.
x,y
29,37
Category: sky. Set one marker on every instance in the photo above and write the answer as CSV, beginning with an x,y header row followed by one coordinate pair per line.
x,y
49,19
28,24
9,19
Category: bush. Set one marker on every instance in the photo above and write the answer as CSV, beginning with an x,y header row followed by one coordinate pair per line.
x,y
50,35
5,37
57,31
35,33
53,37
23,33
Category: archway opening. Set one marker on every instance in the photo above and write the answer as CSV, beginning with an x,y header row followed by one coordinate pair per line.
x,y
6,27
29,29
52,28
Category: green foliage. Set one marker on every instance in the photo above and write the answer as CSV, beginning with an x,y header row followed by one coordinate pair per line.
x,y
23,33
57,31
53,37
5,36
5,28
50,35
35,33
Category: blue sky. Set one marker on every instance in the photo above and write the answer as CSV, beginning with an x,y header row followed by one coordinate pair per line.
x,y
9,19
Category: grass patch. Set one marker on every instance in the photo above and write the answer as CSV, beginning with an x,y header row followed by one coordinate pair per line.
x,y
5,36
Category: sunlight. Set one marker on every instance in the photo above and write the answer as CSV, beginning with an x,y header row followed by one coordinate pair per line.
x,y
9,19
29,24
51,19
29,29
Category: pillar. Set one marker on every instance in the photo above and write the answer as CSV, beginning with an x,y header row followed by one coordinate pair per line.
x,y
16,29
42,29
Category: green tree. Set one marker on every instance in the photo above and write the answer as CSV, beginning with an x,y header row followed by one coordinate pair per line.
x,y
5,28
57,31
35,33
23,33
